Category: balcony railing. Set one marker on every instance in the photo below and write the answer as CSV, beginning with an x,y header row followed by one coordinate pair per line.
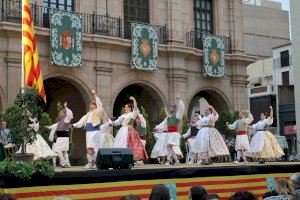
x,y
194,39
11,11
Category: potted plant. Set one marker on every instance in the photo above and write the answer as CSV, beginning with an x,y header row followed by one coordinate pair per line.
x,y
18,119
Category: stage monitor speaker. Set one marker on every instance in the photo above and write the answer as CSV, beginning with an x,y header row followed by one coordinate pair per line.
x,y
115,158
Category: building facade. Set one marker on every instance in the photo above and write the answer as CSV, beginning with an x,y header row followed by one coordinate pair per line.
x,y
295,15
107,55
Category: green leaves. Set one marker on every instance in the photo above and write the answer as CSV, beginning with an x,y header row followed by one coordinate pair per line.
x,y
24,170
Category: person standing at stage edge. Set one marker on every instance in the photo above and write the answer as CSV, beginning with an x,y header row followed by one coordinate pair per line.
x,y
60,137
242,140
127,136
173,136
263,144
91,121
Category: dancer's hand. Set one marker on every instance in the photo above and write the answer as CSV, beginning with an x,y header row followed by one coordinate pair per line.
x,y
132,98
178,97
227,123
93,92
271,108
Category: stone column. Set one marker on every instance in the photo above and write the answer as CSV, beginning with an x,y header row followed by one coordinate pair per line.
x,y
103,85
236,25
175,21
13,79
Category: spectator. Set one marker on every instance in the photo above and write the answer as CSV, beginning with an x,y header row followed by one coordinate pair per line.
x,y
198,193
243,195
296,184
4,139
283,188
131,197
7,197
213,197
160,192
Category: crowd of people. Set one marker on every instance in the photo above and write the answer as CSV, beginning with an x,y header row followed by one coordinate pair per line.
x,y
204,141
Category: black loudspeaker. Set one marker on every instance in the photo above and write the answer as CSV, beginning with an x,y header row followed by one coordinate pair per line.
x,y
115,158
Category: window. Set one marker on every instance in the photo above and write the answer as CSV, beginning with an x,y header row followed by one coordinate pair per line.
x,y
203,16
285,78
67,5
135,10
285,58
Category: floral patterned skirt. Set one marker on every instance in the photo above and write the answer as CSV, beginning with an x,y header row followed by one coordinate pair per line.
x,y
134,142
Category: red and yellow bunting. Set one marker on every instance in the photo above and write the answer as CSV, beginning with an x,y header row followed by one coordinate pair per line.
x,y
32,69
224,186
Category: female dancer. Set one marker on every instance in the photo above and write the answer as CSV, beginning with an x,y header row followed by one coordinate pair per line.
x,y
106,138
263,144
127,136
209,143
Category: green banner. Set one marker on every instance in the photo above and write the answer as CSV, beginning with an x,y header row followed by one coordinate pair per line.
x,y
144,47
214,56
66,38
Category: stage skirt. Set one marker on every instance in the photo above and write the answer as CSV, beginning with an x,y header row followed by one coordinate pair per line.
x,y
191,143
160,148
242,142
106,140
92,139
61,145
264,145
173,138
210,143
39,148
128,137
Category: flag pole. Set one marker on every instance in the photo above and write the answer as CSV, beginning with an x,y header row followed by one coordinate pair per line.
x,y
23,64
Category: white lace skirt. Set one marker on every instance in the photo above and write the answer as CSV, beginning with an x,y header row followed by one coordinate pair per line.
x,y
242,142
191,143
121,138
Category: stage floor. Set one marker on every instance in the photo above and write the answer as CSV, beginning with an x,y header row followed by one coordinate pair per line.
x,y
184,166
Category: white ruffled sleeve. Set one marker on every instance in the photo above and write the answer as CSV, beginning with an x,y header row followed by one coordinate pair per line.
x,y
180,110
232,126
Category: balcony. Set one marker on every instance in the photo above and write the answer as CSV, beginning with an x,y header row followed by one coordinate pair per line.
x,y
194,39
11,11
262,91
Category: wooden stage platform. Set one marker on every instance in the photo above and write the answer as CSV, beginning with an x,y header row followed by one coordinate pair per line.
x,y
221,178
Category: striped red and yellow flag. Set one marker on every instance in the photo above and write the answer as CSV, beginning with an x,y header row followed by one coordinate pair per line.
x,y
31,65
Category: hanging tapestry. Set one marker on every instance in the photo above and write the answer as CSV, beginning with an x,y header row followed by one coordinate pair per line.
x,y
66,38
214,56
144,46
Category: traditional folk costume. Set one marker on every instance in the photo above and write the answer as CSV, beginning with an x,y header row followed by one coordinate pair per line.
x,y
192,133
264,144
106,139
128,137
60,138
39,146
242,140
141,128
209,143
91,122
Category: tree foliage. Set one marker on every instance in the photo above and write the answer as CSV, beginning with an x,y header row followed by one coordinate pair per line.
x,y
45,120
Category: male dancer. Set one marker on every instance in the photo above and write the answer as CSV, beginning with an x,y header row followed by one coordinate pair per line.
x,y
173,136
91,122
242,140
61,137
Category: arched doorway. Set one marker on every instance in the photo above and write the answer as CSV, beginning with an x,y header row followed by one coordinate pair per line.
x,y
208,97
60,90
145,95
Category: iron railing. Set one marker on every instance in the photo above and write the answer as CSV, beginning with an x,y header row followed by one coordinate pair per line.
x,y
11,11
194,39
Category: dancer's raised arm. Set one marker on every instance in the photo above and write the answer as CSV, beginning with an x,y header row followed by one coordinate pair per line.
x,y
180,110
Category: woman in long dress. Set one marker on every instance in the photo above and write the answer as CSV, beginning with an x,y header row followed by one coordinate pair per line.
x,y
263,144
39,147
127,136
209,143
106,139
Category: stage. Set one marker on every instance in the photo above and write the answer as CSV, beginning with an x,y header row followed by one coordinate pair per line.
x,y
221,178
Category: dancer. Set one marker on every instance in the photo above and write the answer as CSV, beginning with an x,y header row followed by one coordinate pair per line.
x,y
209,143
141,128
242,140
192,133
91,121
39,147
173,137
60,137
127,136
263,144
106,138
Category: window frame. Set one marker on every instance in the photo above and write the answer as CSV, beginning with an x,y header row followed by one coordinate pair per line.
x,y
57,4
206,11
284,58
